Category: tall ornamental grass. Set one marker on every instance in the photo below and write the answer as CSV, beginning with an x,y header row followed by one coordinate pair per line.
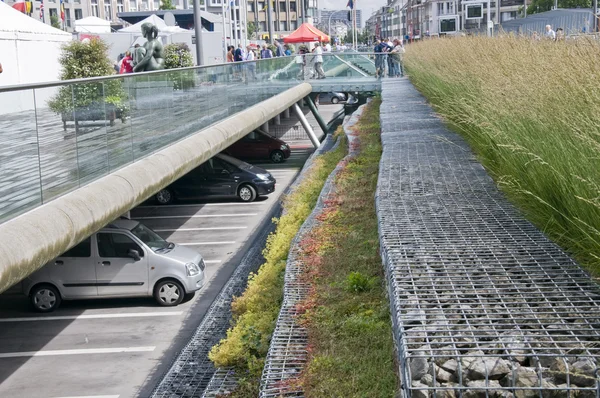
x,y
531,112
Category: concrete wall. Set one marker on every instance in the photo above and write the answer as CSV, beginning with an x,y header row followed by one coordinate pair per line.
x,y
34,238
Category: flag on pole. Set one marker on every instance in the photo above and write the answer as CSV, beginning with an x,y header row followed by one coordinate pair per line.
x,y
62,11
20,6
350,4
42,18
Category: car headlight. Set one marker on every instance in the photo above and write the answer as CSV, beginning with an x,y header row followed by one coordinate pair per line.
x,y
264,177
192,269
284,147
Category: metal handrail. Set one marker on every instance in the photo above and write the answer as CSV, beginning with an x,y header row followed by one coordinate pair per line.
x,y
56,83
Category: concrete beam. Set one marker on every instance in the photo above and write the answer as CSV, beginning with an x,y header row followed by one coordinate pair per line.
x,y
30,240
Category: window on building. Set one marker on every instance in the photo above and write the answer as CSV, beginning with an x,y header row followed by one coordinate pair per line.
x,y
261,6
283,25
293,25
156,4
78,13
95,10
440,8
68,17
132,5
450,7
262,26
215,3
251,6
145,5
292,6
53,12
108,11
282,6
120,6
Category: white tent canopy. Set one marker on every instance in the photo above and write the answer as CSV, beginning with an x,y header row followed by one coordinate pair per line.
x,y
156,21
92,25
29,54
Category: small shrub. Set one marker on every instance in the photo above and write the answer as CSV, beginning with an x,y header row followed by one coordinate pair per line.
x,y
357,282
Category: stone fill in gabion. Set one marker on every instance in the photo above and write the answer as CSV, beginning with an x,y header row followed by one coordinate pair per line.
x,y
482,303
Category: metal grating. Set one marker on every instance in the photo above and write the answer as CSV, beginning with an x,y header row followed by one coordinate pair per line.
x,y
482,303
192,372
288,350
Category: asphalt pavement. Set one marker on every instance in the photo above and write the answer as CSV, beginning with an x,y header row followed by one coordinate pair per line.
x,y
120,347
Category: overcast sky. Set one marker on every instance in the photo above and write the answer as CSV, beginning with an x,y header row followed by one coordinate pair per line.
x,y
367,6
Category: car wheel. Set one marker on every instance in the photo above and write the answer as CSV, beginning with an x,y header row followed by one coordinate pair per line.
x,y
335,100
168,293
165,197
277,156
45,298
247,193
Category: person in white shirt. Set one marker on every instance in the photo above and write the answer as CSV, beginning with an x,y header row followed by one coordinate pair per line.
x,y
327,48
550,34
318,51
250,66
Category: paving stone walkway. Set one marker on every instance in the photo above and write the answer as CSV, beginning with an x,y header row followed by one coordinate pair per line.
x,y
482,302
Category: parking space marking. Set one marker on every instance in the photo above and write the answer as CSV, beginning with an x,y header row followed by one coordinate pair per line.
x,y
201,204
82,351
205,243
213,262
196,216
94,316
200,229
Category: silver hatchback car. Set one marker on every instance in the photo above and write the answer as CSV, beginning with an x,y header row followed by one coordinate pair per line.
x,y
124,259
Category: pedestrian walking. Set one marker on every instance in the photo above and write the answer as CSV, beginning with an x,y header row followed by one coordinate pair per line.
x,y
280,51
266,52
230,50
301,62
550,34
126,64
318,51
250,64
396,57
379,51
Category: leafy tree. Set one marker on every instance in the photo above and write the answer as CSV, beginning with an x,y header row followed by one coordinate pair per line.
x,y
546,5
166,5
178,55
54,22
251,30
84,60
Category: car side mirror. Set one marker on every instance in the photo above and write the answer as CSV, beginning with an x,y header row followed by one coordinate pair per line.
x,y
134,254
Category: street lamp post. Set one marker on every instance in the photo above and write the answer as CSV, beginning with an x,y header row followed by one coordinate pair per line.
x,y
329,22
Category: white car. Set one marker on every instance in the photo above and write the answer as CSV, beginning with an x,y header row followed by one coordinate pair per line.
x,y
124,259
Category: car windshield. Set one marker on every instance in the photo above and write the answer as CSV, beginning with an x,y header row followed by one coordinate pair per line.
x,y
150,238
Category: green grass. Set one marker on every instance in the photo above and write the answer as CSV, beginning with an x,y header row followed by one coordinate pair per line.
x,y
531,112
347,313
255,312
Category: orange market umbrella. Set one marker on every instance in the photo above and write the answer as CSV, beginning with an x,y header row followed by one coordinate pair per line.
x,y
306,33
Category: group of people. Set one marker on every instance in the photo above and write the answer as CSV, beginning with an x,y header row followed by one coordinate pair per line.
x,y
550,34
391,50
317,61
240,54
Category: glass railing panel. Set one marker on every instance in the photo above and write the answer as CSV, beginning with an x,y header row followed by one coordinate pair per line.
x,y
119,138
57,119
20,187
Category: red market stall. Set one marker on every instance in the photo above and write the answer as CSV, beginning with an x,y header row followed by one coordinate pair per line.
x,y
306,33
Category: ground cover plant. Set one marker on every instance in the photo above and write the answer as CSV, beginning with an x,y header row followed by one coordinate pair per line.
x,y
351,350
255,312
531,112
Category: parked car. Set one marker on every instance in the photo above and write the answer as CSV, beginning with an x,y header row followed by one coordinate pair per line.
x,y
258,145
221,175
332,98
124,259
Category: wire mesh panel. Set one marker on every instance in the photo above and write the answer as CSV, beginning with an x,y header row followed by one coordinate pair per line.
x,y
288,351
482,303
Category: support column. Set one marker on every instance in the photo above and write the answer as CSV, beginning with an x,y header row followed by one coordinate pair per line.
x,y
265,127
317,115
286,113
277,120
306,125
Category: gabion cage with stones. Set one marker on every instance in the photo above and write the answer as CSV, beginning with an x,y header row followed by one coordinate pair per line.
x,y
482,303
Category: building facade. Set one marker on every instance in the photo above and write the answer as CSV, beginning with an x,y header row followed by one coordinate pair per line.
x,y
327,16
74,9
287,15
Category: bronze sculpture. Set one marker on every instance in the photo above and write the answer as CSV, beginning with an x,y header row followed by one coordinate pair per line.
x,y
150,56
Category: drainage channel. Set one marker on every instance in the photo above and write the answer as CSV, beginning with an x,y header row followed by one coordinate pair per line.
x,y
483,304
